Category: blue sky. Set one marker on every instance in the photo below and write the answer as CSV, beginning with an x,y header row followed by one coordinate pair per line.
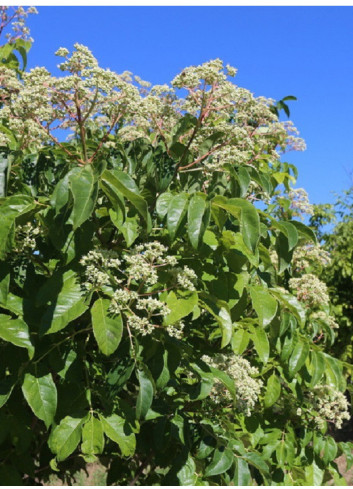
x,y
301,51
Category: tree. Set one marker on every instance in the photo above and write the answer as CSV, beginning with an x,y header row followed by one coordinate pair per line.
x,y
151,312
338,274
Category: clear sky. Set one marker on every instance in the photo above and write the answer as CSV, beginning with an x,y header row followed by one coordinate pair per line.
x,y
301,51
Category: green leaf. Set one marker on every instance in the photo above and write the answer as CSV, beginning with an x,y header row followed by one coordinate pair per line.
x,y
317,364
248,218
107,329
330,450
240,341
261,343
283,252
298,357
225,321
256,460
162,204
10,209
130,230
121,182
291,233
304,231
145,395
290,302
181,304
264,304
16,332
40,393
273,390
84,191
314,475
4,282
198,216
242,476
67,301
176,212
187,474
221,462
65,437
119,430
6,386
92,437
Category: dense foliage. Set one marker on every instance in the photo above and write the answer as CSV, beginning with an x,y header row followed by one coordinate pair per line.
x,y
338,274
160,304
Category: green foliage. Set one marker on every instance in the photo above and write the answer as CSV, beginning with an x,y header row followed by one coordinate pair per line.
x,y
338,274
147,318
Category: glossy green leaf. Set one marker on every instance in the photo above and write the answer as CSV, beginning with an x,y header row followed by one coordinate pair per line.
x,y
16,332
317,364
119,430
198,216
92,437
84,191
298,357
41,395
145,395
67,303
291,233
313,474
6,386
273,390
107,329
221,462
304,231
4,282
10,209
261,343
225,321
187,474
121,182
291,303
65,437
242,476
162,204
330,450
240,341
181,304
176,213
256,460
264,304
248,218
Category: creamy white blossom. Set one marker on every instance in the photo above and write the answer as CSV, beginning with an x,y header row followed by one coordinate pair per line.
x,y
240,370
310,289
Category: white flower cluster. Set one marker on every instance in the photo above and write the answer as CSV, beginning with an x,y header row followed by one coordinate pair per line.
x,y
26,237
305,256
300,202
329,320
239,369
140,325
331,405
310,290
16,17
154,307
121,300
187,278
176,330
128,279
91,97
45,103
144,261
97,265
